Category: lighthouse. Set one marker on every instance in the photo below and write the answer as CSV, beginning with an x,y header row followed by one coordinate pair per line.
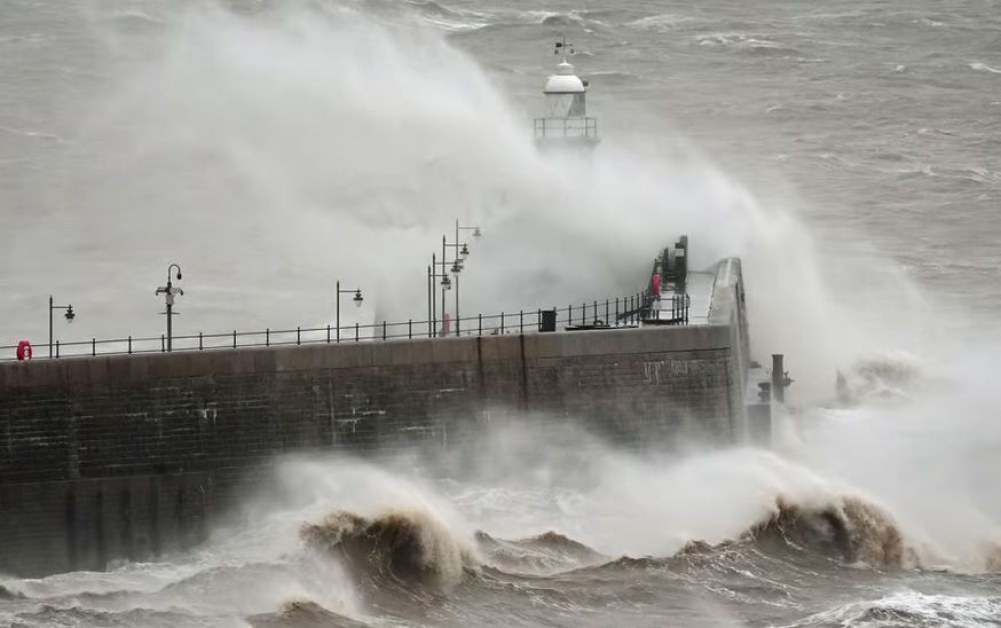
x,y
566,123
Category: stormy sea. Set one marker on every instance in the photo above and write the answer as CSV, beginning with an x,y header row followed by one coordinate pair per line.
x,y
849,152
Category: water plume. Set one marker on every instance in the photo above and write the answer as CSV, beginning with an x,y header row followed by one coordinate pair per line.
x,y
275,148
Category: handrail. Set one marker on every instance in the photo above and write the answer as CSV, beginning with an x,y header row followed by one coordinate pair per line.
x,y
612,313
574,127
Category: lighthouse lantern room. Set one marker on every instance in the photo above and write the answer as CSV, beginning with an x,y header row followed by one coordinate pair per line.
x,y
566,122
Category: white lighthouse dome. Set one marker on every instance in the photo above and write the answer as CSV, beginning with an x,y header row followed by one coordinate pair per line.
x,y
564,81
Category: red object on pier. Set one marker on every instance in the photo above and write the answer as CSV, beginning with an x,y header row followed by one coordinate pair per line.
x,y
655,285
23,350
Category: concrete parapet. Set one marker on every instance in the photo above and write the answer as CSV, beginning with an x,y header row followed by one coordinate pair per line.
x,y
121,370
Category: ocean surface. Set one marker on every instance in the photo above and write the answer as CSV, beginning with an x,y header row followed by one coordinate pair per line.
x,y
849,152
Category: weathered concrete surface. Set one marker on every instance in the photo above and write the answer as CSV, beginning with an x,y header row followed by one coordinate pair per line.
x,y
125,456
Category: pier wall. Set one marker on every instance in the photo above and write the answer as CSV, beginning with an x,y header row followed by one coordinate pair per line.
x,y
129,456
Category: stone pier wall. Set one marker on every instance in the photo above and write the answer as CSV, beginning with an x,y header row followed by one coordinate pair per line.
x,y
130,456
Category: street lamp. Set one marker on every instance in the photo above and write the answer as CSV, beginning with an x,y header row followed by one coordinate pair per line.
x,y
69,318
460,256
446,284
357,300
168,292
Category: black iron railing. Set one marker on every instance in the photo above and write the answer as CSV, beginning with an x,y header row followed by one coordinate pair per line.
x,y
608,314
566,128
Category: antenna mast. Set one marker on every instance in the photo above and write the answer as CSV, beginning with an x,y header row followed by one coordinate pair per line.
x,y
564,47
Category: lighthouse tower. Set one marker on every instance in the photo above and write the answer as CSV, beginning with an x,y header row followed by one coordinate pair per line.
x,y
566,123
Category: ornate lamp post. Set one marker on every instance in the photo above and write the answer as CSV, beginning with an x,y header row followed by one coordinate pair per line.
x,y
168,292
461,253
357,300
446,284
69,318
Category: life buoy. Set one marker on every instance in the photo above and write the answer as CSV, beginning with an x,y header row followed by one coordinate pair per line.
x,y
24,350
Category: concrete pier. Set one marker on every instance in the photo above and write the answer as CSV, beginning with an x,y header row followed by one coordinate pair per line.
x,y
131,456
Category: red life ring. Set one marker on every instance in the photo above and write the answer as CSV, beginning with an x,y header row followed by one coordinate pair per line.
x,y
24,350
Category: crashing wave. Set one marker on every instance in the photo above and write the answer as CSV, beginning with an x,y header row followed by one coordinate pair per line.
x,y
550,552
849,529
983,67
882,376
910,608
992,558
301,613
407,546
7,594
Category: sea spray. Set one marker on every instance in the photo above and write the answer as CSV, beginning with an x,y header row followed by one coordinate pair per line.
x,y
272,149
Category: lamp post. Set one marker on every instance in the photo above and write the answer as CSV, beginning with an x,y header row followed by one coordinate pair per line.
x,y
446,284
357,299
168,292
69,318
460,256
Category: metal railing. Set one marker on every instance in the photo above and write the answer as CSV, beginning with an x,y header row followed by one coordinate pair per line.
x,y
566,128
620,312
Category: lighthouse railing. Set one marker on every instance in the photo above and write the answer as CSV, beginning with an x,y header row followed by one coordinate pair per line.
x,y
566,128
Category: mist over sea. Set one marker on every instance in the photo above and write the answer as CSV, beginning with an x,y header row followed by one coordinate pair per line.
x,y
849,152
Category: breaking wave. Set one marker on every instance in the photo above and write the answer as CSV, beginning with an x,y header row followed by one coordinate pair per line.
x,y
7,594
409,547
847,530
550,552
303,614
879,376
850,530
983,67
912,609
663,23
739,41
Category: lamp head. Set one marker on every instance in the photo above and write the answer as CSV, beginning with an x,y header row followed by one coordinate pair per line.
x,y
456,267
477,233
464,252
446,283
69,314
357,298
178,274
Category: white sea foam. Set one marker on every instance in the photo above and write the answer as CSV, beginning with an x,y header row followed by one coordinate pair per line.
x,y
983,67
913,608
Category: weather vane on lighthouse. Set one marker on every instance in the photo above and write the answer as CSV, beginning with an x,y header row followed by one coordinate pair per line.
x,y
565,123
